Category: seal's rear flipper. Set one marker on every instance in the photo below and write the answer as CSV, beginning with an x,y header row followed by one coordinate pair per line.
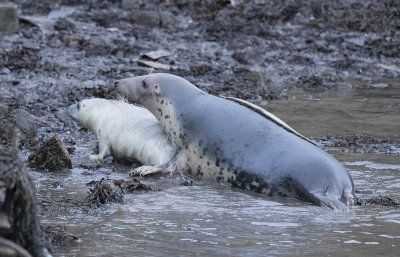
x,y
177,163
331,203
347,198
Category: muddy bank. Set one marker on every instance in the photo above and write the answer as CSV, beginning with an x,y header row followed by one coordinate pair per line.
x,y
68,50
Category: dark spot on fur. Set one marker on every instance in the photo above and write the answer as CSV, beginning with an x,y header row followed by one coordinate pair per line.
x,y
199,171
217,163
160,111
167,116
162,101
181,136
205,149
221,173
208,163
218,179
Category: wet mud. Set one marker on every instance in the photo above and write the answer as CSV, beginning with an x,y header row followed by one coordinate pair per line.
x,y
330,69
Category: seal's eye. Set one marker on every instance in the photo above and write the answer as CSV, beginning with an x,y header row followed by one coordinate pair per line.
x,y
144,84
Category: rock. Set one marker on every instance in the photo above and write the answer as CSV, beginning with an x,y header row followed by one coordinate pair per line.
x,y
10,249
98,45
247,56
152,18
133,185
129,4
58,236
5,71
155,55
64,25
19,118
154,65
377,200
26,122
167,18
146,18
18,204
52,155
8,18
105,191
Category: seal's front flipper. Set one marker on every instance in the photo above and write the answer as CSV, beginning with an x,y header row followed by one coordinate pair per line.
x,y
331,203
103,151
177,163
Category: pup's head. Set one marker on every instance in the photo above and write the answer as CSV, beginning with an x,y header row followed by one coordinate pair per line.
x,y
84,110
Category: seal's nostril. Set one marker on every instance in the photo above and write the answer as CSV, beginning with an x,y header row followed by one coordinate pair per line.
x,y
116,83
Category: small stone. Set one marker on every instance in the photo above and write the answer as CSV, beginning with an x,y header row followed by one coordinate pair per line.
x,y
358,41
129,4
247,56
58,236
146,18
154,65
167,18
4,70
64,25
155,55
8,18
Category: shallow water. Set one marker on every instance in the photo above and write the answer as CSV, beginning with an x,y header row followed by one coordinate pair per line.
x,y
208,219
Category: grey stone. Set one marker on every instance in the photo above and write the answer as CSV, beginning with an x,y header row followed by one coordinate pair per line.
x,y
247,56
155,55
167,18
8,18
26,122
5,70
129,4
146,17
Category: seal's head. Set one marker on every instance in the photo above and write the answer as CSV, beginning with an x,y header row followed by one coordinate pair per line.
x,y
157,89
85,111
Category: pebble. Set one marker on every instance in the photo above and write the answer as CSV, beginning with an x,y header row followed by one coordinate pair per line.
x,y
8,18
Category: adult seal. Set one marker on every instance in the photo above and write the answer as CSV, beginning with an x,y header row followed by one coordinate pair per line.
x,y
232,141
127,131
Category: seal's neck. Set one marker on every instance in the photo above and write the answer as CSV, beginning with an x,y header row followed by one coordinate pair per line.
x,y
168,114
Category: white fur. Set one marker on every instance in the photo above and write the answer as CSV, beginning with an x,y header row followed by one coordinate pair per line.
x,y
125,130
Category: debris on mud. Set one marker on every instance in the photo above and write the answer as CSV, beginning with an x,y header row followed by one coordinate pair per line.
x,y
134,185
377,200
20,58
52,155
58,236
105,191
113,191
357,144
18,214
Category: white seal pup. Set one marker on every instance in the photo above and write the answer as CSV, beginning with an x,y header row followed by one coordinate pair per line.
x,y
127,131
235,142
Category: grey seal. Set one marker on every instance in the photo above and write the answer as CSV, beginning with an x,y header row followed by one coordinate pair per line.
x,y
127,131
235,142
